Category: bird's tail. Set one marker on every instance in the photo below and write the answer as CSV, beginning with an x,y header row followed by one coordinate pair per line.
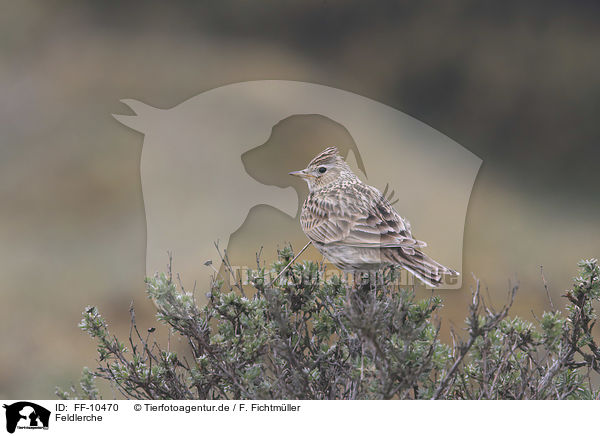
x,y
423,267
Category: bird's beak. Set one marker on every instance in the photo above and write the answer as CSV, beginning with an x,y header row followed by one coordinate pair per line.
x,y
302,173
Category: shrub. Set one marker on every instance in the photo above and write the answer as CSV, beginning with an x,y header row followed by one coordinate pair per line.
x,y
307,337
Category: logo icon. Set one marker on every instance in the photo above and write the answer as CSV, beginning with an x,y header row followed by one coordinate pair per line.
x,y
26,415
215,168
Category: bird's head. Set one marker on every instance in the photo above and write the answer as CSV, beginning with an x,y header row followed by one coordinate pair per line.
x,y
327,167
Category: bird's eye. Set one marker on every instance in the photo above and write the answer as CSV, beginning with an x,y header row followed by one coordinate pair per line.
x,y
322,170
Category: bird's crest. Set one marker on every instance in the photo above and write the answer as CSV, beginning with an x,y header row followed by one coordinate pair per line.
x,y
329,155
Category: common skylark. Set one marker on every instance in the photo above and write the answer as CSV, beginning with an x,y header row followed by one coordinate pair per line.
x,y
355,227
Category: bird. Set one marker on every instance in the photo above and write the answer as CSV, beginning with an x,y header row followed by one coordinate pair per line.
x,y
355,227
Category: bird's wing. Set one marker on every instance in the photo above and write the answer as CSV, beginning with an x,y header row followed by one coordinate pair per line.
x,y
323,221
358,215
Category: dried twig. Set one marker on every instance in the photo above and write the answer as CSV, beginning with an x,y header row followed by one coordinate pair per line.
x,y
289,264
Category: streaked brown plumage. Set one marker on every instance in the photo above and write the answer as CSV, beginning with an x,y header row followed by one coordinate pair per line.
x,y
355,227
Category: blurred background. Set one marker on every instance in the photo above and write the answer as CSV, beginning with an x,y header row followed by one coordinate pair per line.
x,y
516,83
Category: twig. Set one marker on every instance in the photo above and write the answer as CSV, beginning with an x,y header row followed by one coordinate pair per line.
x,y
289,264
546,288
225,262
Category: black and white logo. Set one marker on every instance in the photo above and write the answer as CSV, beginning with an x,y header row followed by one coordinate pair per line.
x,y
26,415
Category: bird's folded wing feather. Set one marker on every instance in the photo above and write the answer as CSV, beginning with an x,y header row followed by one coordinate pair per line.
x,y
357,216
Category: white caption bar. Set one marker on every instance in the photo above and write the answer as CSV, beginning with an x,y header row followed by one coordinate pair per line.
x,y
295,417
